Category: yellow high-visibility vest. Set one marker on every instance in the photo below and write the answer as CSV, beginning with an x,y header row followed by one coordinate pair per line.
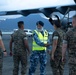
x,y
42,38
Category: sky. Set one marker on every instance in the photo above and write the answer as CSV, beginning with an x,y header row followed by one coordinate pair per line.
x,y
7,5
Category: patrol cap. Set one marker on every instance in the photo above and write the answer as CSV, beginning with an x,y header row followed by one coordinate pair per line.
x,y
40,23
54,20
57,23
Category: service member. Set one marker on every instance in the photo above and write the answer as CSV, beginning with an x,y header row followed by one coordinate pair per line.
x,y
40,38
56,52
2,51
70,44
20,49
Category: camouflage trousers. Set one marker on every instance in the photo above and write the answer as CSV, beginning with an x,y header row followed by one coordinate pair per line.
x,y
17,58
35,57
72,65
1,62
72,69
57,66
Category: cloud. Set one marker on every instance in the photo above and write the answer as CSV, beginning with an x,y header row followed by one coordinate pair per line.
x,y
10,5
10,17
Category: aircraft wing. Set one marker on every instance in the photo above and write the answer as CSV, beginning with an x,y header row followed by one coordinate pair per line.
x,y
36,6
46,11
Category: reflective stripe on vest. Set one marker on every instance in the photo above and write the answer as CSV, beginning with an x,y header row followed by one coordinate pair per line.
x,y
42,39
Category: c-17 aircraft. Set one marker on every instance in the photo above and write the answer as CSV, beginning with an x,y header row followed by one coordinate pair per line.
x,y
26,7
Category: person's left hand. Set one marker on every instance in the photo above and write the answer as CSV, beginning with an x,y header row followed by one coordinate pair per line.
x,y
49,52
52,56
29,52
5,53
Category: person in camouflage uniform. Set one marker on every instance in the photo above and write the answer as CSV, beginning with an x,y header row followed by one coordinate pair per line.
x,y
40,37
2,50
70,44
20,49
0,32
56,52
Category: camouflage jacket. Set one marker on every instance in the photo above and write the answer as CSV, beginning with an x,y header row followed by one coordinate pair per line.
x,y
18,39
70,37
60,34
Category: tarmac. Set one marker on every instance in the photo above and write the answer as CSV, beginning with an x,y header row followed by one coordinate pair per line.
x,y
8,61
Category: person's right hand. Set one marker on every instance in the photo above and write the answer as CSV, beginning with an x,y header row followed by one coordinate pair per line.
x,y
63,59
11,54
46,45
5,53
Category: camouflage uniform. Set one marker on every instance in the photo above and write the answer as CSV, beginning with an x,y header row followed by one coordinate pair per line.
x,y
38,56
19,52
1,57
1,61
71,42
0,32
57,65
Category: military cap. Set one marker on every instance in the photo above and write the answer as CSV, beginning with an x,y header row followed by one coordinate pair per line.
x,y
40,23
